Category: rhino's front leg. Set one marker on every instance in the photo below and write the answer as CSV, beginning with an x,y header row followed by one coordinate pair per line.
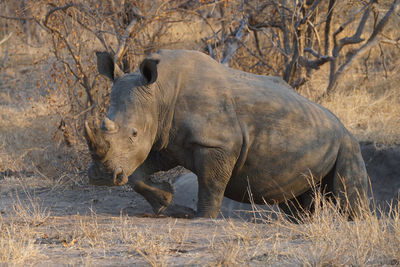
x,y
213,168
158,194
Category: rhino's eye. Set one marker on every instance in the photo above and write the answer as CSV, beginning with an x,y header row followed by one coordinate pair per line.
x,y
133,135
134,132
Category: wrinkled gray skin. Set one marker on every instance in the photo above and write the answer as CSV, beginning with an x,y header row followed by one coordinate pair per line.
x,y
232,129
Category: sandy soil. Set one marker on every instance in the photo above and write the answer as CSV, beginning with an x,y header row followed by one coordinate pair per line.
x,y
88,225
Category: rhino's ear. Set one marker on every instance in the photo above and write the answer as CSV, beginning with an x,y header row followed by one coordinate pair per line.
x,y
148,69
107,67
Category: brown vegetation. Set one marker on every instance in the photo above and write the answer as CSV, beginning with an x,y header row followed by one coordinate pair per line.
x,y
334,52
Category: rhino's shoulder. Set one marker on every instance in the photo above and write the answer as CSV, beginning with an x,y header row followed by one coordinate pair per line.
x,y
262,81
182,53
184,57
279,81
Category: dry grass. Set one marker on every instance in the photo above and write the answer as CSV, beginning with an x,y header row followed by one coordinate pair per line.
x,y
154,244
366,115
366,103
16,243
324,238
31,210
17,232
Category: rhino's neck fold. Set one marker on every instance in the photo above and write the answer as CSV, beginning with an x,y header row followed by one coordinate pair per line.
x,y
168,91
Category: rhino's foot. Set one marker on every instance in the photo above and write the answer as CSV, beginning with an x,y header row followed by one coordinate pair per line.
x,y
159,195
178,211
158,199
296,209
174,211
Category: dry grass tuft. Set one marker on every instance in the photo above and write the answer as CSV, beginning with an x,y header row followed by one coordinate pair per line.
x,y
16,243
153,244
31,210
327,238
92,232
228,253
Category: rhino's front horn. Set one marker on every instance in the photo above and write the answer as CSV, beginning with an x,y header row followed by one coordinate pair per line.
x,y
97,144
89,133
109,126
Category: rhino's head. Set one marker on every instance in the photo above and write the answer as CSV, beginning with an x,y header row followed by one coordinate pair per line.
x,y
124,138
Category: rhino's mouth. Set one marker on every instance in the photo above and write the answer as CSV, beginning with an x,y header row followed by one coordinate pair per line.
x,y
119,177
101,177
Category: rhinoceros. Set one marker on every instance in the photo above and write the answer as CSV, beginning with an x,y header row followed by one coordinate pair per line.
x,y
238,132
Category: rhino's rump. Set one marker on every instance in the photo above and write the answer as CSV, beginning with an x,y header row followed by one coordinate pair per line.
x,y
289,139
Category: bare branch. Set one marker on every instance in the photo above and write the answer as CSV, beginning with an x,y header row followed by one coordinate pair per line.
x,y
311,25
356,38
276,45
6,38
391,41
310,11
234,44
123,41
80,76
16,18
210,50
351,40
256,39
98,34
285,30
383,57
327,29
372,40
314,64
312,52
54,9
262,60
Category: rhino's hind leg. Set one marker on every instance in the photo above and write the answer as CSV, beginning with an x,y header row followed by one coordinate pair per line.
x,y
297,207
350,180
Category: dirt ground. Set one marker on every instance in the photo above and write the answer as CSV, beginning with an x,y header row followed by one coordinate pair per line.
x,y
88,225
381,163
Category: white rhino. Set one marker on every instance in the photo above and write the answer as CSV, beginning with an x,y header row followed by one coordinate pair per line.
x,y
233,129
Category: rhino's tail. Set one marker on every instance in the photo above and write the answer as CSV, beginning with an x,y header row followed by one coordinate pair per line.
x,y
350,180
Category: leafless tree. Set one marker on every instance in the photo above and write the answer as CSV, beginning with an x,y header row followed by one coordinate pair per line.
x,y
294,38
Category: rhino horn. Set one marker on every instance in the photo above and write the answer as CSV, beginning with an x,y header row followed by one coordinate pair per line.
x,y
109,126
89,133
97,144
